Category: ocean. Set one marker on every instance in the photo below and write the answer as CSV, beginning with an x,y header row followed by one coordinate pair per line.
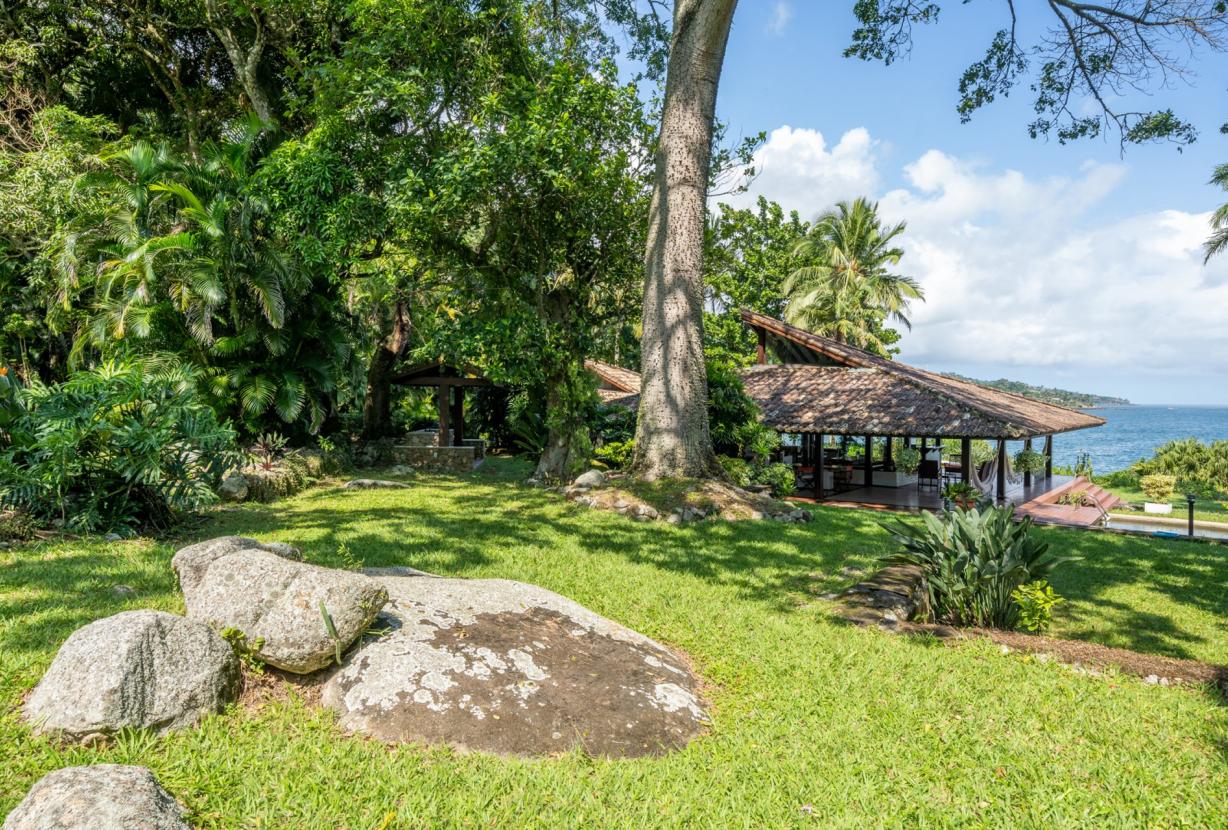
x,y
1134,432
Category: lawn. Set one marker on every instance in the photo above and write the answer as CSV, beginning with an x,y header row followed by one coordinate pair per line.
x,y
816,724
1208,510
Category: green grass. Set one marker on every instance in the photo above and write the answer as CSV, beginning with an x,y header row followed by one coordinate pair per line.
x,y
1208,510
816,724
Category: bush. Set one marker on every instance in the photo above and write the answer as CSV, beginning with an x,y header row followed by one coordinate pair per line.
x,y
779,477
118,446
733,416
1197,466
738,470
616,454
971,562
1036,601
1158,487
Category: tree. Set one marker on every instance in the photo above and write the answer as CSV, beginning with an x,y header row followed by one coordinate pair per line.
x,y
746,254
1090,51
1218,240
850,292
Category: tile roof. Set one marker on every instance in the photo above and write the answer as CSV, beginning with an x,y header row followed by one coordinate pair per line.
x,y
859,393
895,398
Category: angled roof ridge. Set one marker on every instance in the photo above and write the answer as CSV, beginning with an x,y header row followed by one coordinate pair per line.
x,y
995,404
623,379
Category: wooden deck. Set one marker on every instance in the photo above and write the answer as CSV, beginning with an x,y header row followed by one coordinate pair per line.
x,y
1038,501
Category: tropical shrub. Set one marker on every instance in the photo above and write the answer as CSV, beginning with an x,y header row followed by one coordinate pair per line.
x,y
962,494
1197,466
779,477
1158,487
908,459
733,416
1036,601
971,562
616,454
122,445
737,470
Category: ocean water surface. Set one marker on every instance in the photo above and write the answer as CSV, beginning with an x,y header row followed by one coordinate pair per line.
x,y
1134,432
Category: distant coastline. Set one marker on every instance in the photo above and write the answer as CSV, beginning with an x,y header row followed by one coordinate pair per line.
x,y
1048,394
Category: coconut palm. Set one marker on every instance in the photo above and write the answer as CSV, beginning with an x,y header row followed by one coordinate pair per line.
x,y
848,291
1218,240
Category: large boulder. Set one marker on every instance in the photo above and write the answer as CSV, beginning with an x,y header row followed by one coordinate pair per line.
x,y
98,797
138,669
234,487
280,605
591,478
190,563
510,668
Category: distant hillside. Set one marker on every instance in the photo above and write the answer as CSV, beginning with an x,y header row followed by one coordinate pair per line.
x,y
1062,397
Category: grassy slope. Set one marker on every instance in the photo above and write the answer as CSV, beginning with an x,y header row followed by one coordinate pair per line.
x,y
815,723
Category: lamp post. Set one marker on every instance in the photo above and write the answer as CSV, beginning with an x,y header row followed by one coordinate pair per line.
x,y
1189,500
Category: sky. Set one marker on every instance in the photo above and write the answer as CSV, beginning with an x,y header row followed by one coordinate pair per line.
x,y
1070,266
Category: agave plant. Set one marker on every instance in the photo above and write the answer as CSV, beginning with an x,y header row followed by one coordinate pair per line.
x,y
972,561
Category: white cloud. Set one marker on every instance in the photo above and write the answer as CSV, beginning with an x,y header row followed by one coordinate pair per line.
x,y
782,14
1017,271
797,169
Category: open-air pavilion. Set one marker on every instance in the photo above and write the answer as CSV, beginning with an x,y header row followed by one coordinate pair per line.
x,y
822,390
827,398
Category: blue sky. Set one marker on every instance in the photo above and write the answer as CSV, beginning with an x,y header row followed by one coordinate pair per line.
x,y
1066,265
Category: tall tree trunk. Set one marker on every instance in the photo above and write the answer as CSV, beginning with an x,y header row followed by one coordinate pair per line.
x,y
376,408
244,58
672,437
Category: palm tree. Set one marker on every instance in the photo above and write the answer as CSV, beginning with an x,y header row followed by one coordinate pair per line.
x,y
1218,240
848,291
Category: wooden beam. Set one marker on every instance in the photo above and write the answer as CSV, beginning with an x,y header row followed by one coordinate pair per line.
x,y
965,460
761,354
440,380
869,459
1048,457
888,455
1001,470
458,416
1027,474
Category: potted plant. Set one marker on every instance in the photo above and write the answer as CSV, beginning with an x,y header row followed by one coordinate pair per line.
x,y
1159,490
908,460
1030,461
962,494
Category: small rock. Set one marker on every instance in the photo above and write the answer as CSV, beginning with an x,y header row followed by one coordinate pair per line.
x,y
98,797
112,537
234,487
592,478
375,484
401,470
673,518
123,591
1153,679
621,504
756,514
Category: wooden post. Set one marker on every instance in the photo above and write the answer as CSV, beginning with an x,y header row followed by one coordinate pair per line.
x,y
869,459
818,469
1048,457
1027,474
445,390
965,460
1001,470
761,354
888,455
458,416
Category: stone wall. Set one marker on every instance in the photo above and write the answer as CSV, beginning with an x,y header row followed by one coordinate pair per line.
x,y
449,459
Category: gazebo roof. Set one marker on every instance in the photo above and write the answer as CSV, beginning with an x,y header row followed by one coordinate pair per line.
x,y
840,389
833,388
438,373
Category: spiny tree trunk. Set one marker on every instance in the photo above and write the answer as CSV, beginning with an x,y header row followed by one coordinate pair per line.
x,y
672,438
556,460
376,408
